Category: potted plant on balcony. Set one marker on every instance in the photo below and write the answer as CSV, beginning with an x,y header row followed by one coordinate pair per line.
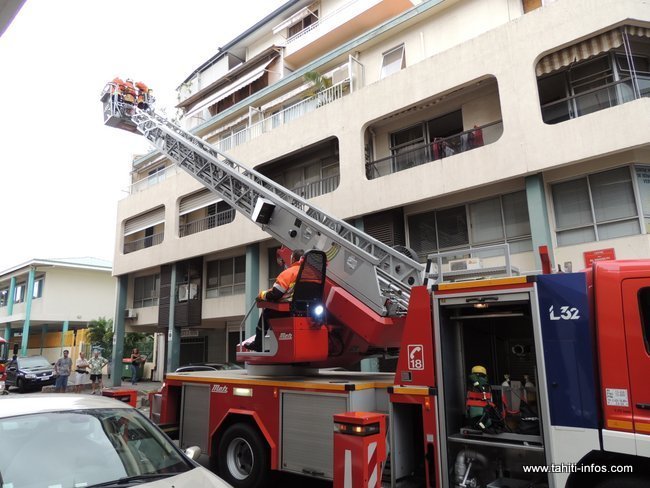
x,y
319,85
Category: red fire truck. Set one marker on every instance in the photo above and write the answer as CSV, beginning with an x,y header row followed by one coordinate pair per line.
x,y
501,380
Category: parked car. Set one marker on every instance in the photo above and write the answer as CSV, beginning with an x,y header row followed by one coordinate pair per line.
x,y
27,372
207,367
68,441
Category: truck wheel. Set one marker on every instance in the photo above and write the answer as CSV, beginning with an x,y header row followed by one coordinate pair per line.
x,y
242,457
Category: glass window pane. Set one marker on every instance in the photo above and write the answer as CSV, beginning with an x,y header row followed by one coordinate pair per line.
x,y
571,204
452,227
487,225
521,246
422,234
618,229
613,195
515,213
225,272
240,269
393,62
576,236
213,274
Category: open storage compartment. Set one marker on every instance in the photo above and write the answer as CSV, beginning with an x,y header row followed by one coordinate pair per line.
x,y
491,422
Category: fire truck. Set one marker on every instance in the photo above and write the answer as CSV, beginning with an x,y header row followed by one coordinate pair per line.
x,y
501,379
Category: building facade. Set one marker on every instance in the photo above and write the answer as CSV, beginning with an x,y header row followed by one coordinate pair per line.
x,y
439,125
46,304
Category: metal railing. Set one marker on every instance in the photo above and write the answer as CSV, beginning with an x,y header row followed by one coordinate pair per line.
x,y
315,25
153,179
284,116
606,96
440,148
206,223
316,188
143,243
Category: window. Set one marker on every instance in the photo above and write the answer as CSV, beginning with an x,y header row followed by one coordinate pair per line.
x,y
4,297
146,290
593,81
156,175
38,287
226,277
597,207
394,60
486,222
644,312
19,293
301,25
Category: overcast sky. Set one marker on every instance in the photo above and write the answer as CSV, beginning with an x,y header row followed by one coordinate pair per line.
x,y
61,171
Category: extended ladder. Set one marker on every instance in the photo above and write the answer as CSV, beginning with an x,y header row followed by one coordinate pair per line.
x,y
379,276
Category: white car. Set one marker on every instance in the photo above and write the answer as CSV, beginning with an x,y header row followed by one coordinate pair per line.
x,y
83,441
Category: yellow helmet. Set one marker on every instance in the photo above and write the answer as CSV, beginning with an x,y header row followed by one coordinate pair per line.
x,y
479,369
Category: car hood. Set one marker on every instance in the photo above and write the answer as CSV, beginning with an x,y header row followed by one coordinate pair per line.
x,y
37,369
197,478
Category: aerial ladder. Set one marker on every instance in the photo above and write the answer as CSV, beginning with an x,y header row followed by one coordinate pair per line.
x,y
368,284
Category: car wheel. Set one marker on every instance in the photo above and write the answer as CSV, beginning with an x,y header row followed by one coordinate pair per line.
x,y
20,384
243,457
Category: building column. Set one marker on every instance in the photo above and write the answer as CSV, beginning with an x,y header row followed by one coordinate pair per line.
x,y
174,333
43,334
10,298
118,330
252,286
28,311
64,332
538,216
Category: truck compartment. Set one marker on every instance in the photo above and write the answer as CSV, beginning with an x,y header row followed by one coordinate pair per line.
x,y
491,419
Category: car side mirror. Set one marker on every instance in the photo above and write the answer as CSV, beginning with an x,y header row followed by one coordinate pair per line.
x,y
193,452
12,369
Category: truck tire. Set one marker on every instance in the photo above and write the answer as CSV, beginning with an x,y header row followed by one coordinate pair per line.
x,y
243,459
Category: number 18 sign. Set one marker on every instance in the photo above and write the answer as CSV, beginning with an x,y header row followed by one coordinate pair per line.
x,y
416,356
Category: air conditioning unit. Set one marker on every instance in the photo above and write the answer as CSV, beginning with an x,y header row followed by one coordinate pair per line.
x,y
130,313
465,264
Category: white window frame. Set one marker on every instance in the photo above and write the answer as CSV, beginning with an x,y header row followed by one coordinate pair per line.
x,y
213,291
387,69
152,299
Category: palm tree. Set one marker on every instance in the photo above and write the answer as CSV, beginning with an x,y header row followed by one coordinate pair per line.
x,y
100,334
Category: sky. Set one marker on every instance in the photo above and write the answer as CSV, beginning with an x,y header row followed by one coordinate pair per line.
x,y
62,171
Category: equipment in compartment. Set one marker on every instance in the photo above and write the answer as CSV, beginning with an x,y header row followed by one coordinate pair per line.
x,y
487,347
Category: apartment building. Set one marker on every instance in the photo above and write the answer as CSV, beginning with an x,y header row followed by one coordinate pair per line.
x,y
439,125
46,304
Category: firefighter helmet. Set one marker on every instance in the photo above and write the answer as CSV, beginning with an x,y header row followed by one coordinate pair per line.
x,y
479,369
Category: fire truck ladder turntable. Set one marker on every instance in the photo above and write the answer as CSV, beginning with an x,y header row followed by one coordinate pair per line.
x,y
378,275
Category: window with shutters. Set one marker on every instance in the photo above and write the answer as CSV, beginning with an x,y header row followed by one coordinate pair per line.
x,y
476,224
226,277
146,290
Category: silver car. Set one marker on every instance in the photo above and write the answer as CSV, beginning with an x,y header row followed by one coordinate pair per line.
x,y
72,441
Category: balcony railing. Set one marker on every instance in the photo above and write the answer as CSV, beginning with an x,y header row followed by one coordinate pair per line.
x,y
596,99
209,222
417,155
153,179
143,243
316,188
323,20
293,112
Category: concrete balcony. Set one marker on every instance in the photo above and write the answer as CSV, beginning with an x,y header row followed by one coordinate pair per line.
x,y
334,28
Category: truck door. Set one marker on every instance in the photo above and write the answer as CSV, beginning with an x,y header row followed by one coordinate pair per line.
x,y
636,310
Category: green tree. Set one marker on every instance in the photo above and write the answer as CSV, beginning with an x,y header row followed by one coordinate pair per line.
x,y
144,343
318,82
100,333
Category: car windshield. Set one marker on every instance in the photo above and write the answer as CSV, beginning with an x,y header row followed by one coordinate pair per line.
x,y
33,362
84,448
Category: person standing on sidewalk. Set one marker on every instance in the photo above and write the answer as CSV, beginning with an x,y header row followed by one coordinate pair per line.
x,y
136,360
97,363
62,369
81,374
